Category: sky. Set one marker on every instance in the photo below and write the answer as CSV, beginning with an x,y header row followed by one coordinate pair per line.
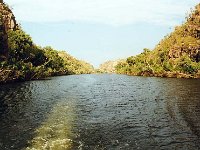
x,y
100,30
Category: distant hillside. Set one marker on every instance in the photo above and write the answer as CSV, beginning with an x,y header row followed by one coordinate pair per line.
x,y
21,59
74,65
177,55
109,66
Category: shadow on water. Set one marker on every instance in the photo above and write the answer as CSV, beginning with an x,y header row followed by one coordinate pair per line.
x,y
24,107
177,117
13,99
187,101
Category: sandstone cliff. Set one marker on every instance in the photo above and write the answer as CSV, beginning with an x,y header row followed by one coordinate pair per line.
x,y
109,66
7,22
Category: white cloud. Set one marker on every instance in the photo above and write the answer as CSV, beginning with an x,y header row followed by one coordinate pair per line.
x,y
112,12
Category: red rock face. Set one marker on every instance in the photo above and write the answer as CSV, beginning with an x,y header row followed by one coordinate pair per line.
x,y
3,44
7,22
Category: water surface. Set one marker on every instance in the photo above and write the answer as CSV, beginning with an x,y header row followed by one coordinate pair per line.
x,y
100,112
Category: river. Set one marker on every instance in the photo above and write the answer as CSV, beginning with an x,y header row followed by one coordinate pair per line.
x,y
102,111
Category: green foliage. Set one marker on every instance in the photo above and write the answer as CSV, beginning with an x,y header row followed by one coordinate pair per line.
x,y
75,66
177,55
23,60
21,48
185,65
28,61
54,61
122,67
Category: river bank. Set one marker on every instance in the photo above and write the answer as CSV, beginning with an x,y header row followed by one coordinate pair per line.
x,y
167,75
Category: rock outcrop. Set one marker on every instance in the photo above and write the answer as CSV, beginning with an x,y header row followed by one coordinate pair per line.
x,y
109,66
7,22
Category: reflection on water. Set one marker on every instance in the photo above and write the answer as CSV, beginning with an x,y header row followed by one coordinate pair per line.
x,y
100,112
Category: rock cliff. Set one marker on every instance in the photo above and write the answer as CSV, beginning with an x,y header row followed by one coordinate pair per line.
x,y
109,66
7,22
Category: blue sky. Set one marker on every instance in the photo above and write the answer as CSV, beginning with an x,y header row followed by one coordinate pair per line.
x,y
100,30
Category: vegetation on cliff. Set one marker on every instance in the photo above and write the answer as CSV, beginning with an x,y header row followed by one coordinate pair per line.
x,y
21,59
177,55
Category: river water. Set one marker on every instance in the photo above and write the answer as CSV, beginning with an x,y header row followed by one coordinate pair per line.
x,y
88,112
